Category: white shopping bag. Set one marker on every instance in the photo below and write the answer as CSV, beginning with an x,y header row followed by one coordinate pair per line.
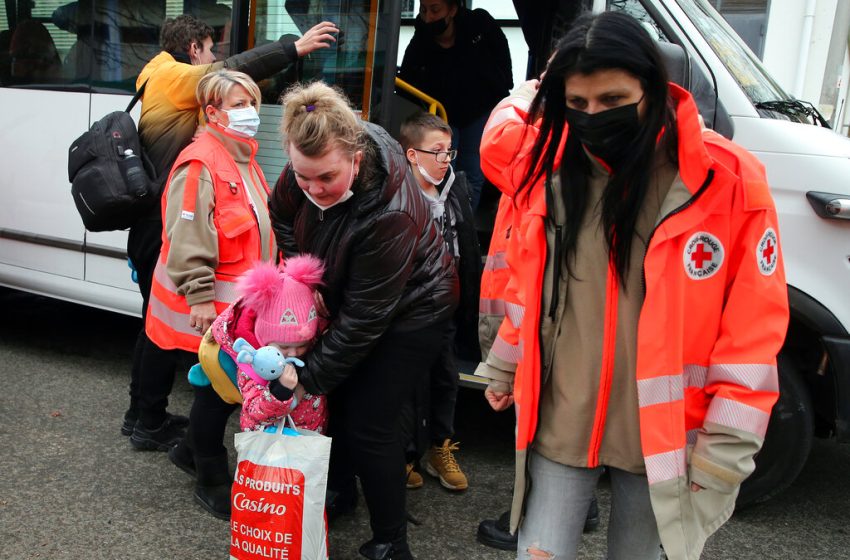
x,y
278,496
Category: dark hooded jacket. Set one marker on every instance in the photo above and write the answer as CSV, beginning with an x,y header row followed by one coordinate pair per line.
x,y
387,268
470,77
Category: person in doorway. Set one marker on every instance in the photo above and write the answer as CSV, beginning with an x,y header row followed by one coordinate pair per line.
x,y
461,58
390,289
168,122
646,301
426,140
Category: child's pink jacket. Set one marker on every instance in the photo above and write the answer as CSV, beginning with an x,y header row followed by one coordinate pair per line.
x,y
259,407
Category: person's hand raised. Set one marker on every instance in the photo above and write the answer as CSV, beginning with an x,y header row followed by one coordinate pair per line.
x,y
317,37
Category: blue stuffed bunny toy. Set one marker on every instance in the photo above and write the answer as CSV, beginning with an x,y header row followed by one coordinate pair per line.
x,y
267,361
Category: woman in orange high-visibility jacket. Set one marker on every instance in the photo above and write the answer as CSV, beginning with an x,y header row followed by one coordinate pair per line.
x,y
215,226
646,302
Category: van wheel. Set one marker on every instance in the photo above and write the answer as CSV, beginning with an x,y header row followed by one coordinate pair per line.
x,y
788,439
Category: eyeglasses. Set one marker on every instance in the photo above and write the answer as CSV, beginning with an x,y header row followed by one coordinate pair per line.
x,y
441,157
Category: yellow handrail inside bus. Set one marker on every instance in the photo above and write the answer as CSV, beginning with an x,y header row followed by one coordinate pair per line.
x,y
370,59
434,106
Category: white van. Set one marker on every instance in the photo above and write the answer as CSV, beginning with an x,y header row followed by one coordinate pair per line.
x,y
808,169
44,248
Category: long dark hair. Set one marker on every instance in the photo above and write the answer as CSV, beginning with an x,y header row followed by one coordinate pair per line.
x,y
611,40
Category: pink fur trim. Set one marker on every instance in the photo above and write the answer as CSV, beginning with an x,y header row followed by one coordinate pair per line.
x,y
306,269
259,286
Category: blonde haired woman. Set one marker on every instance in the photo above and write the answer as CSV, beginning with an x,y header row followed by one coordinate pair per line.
x,y
215,226
390,288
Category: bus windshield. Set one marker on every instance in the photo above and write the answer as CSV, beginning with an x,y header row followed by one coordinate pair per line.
x,y
765,94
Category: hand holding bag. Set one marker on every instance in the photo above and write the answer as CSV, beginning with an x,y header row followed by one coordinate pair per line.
x,y
278,495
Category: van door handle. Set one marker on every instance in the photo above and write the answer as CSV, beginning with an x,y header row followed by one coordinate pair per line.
x,y
830,206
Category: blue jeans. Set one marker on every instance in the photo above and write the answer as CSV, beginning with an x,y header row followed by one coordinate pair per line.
x,y
557,507
467,141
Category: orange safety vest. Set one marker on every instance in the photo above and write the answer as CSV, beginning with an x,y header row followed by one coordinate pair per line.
x,y
713,319
167,321
496,274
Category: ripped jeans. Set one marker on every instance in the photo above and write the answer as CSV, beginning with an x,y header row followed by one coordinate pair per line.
x,y
557,506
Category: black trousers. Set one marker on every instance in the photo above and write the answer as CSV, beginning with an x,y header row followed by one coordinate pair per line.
x,y
152,373
427,418
443,389
207,423
364,424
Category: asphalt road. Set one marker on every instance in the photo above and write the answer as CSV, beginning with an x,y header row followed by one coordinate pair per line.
x,y
71,487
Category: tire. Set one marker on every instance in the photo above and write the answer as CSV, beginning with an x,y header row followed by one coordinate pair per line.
x,y
788,439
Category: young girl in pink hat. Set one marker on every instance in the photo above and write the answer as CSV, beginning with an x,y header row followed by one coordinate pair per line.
x,y
277,307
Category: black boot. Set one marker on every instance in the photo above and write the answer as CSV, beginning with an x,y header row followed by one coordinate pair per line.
x,y
496,532
212,489
338,504
397,549
162,438
183,457
132,415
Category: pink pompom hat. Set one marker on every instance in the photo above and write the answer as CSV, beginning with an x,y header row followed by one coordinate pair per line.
x,y
283,299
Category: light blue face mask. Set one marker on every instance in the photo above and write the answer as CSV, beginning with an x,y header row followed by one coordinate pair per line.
x,y
245,121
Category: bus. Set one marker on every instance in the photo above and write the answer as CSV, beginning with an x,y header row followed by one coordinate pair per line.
x,y
63,65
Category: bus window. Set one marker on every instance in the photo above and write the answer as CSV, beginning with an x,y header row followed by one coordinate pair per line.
x,y
345,64
100,43
114,40
32,46
218,15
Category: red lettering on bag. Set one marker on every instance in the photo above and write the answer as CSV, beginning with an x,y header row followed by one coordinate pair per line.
x,y
267,512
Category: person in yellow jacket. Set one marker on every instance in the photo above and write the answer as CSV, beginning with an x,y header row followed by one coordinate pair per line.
x,y
646,302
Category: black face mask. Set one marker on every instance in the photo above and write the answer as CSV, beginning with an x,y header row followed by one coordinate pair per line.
x,y
607,134
434,28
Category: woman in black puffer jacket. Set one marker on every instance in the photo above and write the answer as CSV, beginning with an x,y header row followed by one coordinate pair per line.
x,y
390,289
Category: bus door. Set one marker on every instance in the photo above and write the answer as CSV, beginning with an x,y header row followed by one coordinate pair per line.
x,y
355,63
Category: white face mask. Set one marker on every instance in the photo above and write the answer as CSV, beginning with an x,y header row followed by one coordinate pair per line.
x,y
426,175
345,196
245,121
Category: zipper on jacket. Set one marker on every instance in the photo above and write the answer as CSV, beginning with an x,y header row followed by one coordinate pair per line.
x,y
556,254
556,274
321,215
708,178
606,374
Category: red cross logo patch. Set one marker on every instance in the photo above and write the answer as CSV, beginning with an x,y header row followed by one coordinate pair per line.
x,y
703,256
767,252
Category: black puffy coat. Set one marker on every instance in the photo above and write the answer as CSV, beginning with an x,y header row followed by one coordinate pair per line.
x,y
386,263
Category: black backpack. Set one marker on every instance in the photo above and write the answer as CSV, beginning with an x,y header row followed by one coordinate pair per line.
x,y
112,181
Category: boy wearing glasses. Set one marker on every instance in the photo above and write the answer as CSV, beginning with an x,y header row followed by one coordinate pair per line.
x,y
427,140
